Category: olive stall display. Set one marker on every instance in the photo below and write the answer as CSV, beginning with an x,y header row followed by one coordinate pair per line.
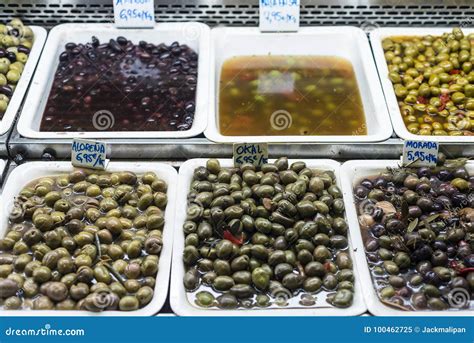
x,y
417,226
83,241
273,236
140,87
16,41
433,80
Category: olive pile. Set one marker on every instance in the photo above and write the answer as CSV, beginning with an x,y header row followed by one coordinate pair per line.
x,y
83,241
433,79
16,41
143,87
261,237
418,230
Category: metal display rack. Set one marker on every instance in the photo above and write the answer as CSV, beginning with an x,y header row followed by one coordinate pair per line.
x,y
366,14
3,145
245,12
181,149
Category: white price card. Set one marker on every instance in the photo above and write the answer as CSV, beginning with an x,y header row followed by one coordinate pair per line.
x,y
254,153
134,13
279,15
419,153
88,154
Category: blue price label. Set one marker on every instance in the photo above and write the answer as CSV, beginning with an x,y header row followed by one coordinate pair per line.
x,y
134,13
279,15
420,153
88,154
253,153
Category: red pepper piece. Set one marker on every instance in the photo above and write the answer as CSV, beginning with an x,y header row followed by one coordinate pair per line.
x,y
454,71
422,100
465,271
444,97
454,265
230,237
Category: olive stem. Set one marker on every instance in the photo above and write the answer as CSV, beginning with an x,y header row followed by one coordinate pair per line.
x,y
114,273
97,244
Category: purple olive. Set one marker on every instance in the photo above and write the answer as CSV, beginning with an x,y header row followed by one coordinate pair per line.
x,y
445,175
122,40
14,32
6,90
439,258
414,211
11,56
424,172
64,56
469,260
378,230
361,192
395,226
423,187
461,173
451,251
460,200
422,254
425,204
377,214
440,245
444,201
432,278
23,49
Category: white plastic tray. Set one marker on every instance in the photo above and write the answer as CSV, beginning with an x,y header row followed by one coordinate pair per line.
x,y
3,163
347,42
28,172
351,173
376,38
178,299
195,35
22,86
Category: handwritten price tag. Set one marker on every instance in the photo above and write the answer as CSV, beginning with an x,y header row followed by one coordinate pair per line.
x,y
254,153
279,15
417,153
134,13
88,154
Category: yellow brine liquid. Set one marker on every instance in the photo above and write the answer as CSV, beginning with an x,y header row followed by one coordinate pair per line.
x,y
289,95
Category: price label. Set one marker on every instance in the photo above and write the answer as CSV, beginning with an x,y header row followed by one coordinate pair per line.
x,y
88,154
279,15
134,13
254,153
417,153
